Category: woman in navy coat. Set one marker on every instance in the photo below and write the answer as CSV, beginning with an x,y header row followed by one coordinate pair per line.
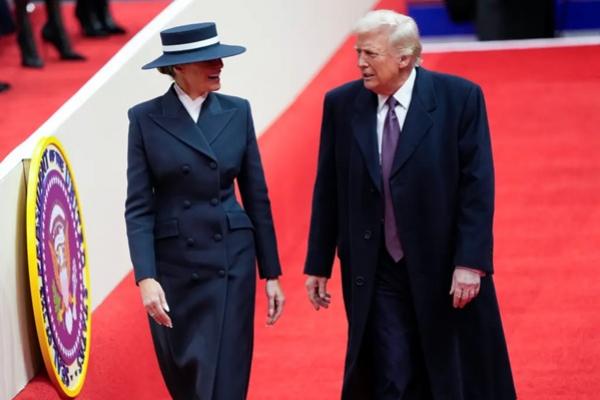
x,y
193,246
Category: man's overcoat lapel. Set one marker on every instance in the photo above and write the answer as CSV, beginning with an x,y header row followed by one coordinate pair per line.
x,y
418,120
364,125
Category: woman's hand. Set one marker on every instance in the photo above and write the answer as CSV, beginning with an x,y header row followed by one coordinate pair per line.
x,y
275,299
153,298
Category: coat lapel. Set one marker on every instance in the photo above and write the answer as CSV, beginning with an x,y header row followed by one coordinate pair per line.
x,y
213,119
364,125
418,119
176,121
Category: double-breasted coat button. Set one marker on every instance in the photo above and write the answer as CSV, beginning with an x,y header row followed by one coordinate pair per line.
x,y
189,242
214,201
212,165
217,237
222,273
360,281
367,235
187,204
372,189
185,169
195,276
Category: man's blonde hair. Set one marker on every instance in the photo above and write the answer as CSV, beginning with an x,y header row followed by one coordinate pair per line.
x,y
403,31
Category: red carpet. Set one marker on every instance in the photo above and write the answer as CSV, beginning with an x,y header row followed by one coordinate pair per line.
x,y
37,93
544,118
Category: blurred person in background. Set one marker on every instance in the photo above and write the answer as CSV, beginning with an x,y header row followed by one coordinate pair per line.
x,y
7,26
53,32
506,19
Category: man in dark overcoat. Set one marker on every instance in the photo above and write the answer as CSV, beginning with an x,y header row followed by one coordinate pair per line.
x,y
405,194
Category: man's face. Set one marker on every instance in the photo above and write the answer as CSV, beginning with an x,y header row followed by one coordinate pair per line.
x,y
200,77
381,69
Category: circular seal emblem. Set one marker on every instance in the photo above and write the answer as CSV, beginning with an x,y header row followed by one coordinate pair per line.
x,y
58,267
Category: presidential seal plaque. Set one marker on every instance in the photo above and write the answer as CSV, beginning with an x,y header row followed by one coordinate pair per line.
x,y
58,267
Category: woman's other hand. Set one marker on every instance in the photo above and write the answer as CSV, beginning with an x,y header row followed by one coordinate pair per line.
x,y
155,303
275,300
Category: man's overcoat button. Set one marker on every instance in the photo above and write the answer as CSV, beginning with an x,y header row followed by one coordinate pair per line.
x,y
185,169
214,201
360,281
218,237
195,276
367,235
187,204
212,165
222,273
190,242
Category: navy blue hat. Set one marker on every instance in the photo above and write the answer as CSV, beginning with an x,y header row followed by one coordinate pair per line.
x,y
192,43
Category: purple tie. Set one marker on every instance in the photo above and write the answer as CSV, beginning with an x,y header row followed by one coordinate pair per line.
x,y
391,133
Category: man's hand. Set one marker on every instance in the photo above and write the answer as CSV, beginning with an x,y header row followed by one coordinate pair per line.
x,y
316,287
465,286
275,300
153,298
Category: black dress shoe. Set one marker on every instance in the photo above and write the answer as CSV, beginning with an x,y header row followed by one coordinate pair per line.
x,y
58,38
106,20
109,25
4,86
30,61
93,30
112,28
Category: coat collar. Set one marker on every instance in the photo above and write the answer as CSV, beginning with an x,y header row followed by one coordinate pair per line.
x,y
176,121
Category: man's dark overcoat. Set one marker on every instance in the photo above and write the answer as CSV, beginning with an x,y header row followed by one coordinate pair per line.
x,y
187,230
442,187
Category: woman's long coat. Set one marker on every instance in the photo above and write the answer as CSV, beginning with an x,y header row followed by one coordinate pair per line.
x,y
187,230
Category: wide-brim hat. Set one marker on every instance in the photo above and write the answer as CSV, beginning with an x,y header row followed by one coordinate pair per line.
x,y
192,43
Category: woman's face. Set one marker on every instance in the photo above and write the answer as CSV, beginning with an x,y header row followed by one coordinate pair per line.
x,y
199,78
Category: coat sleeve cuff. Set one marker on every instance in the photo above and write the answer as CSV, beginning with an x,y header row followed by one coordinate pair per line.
x,y
472,269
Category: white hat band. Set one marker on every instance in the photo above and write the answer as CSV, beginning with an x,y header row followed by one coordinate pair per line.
x,y
190,46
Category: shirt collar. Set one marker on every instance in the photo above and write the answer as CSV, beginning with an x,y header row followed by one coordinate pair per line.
x,y
187,100
403,94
